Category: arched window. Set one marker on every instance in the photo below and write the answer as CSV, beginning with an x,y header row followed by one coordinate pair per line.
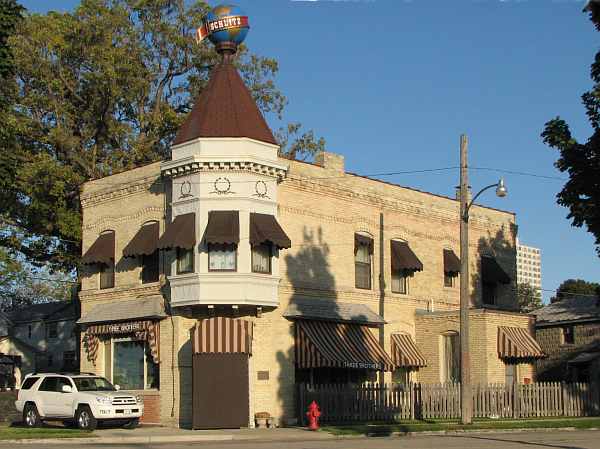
x,y
363,252
450,357
150,262
107,268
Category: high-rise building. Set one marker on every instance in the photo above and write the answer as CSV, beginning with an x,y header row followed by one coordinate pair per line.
x,y
529,266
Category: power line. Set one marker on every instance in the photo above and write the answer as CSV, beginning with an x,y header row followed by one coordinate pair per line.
x,y
519,173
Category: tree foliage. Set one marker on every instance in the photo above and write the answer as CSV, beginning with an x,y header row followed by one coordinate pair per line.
x,y
529,297
581,193
21,286
575,287
98,90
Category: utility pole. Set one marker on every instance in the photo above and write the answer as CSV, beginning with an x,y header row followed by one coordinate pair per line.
x,y
466,398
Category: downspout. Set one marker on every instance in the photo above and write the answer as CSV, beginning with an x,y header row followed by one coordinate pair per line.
x,y
381,289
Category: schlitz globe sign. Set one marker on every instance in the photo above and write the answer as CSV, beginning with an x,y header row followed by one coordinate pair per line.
x,y
224,23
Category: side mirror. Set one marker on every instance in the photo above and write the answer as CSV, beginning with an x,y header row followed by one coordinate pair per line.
x,y
67,389
117,387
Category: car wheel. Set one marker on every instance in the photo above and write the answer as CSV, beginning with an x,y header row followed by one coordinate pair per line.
x,y
85,419
132,424
31,417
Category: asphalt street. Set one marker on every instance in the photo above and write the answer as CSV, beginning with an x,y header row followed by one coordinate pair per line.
x,y
533,440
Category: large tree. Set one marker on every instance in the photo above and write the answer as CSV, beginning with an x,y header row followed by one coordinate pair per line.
x,y
98,90
529,297
581,160
576,287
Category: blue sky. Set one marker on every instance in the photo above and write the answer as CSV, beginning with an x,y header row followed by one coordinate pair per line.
x,y
391,84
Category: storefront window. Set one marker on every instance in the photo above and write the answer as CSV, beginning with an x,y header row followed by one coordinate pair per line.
x,y
133,366
222,257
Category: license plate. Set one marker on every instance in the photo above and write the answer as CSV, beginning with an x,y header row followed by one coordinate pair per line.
x,y
127,412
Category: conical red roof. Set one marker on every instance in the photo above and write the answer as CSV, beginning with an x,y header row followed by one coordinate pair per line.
x,y
225,108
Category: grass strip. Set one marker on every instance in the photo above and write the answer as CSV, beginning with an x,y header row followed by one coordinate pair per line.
x,y
21,433
429,426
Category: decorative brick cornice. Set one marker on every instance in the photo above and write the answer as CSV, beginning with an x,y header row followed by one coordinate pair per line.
x,y
126,292
192,166
118,191
150,213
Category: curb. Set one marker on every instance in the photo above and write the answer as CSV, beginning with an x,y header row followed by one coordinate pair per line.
x,y
260,438
124,440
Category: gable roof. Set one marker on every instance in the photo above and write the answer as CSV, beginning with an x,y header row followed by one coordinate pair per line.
x,y
572,308
57,310
225,108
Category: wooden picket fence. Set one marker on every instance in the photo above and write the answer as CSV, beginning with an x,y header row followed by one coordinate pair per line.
x,y
346,403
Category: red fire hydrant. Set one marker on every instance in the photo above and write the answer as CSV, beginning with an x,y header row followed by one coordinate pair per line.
x,y
313,416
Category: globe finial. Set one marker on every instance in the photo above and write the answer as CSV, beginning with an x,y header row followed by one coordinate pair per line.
x,y
226,26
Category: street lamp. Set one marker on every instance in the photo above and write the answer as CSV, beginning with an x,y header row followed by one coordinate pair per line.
x,y
466,395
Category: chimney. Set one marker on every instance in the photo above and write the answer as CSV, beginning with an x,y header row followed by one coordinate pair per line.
x,y
330,161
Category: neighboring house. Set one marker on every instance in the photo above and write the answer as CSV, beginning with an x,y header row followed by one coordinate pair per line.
x,y
227,275
569,332
41,337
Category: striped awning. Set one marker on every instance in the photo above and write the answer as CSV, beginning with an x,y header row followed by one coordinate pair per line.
x,y
517,343
322,344
222,335
405,353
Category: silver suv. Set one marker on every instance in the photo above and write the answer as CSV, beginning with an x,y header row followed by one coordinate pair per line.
x,y
83,399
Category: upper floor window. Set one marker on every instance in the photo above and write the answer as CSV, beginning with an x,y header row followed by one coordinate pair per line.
x,y
451,267
222,257
363,250
144,247
185,260
107,275
102,253
261,258
52,329
150,271
404,263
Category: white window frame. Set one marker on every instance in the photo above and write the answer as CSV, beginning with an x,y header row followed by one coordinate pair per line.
x,y
112,361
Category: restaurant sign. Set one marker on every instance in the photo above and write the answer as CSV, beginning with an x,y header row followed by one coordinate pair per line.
x,y
128,327
363,365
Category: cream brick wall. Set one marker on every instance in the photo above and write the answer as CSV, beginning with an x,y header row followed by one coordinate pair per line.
x,y
321,217
486,366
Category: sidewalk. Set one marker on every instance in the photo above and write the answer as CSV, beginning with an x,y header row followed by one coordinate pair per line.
x,y
157,435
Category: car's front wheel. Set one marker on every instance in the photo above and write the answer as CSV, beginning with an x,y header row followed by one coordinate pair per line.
x,y
132,424
85,418
31,417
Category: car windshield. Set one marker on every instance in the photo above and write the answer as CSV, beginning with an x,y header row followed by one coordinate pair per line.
x,y
93,384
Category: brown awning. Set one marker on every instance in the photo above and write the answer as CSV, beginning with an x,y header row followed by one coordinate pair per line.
x,y
181,233
360,239
403,258
322,344
102,250
223,227
517,343
451,263
405,352
265,228
141,330
222,335
491,271
144,242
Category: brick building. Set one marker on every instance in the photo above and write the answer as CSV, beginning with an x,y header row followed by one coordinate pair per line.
x,y
226,274
569,333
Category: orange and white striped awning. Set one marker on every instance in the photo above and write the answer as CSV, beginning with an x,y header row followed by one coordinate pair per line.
x,y
222,335
517,343
405,353
322,344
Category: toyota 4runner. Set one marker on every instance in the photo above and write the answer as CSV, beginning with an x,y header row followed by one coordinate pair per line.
x,y
83,399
